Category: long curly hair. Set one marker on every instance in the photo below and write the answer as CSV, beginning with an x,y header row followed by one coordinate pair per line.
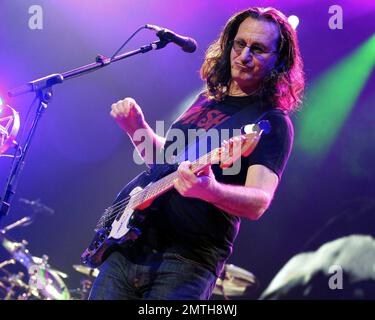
x,y
284,85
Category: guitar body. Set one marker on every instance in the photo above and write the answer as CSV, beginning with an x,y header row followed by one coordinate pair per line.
x,y
122,224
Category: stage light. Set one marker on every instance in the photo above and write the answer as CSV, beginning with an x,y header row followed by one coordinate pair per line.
x,y
293,21
331,99
1,101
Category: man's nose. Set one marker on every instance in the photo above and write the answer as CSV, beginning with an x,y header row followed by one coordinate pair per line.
x,y
246,56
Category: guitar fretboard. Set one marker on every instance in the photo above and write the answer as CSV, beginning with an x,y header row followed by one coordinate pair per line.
x,y
166,183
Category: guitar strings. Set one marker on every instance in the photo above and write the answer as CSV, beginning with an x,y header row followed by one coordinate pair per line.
x,y
119,206
114,210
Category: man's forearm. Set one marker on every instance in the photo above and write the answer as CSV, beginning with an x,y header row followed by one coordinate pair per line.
x,y
149,146
240,201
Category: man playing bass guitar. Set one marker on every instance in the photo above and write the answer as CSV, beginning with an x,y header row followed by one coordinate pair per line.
x,y
186,240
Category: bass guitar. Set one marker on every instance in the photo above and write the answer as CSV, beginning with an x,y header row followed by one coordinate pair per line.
x,y
121,223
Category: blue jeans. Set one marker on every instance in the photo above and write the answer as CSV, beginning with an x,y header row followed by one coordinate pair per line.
x,y
163,276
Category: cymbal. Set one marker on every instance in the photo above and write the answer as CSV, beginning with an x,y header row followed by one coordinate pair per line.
x,y
18,250
14,280
86,270
3,287
6,262
235,281
42,261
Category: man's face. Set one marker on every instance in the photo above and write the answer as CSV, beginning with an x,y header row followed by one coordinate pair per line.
x,y
249,66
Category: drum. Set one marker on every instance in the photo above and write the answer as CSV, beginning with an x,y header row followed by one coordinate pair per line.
x,y
46,283
235,281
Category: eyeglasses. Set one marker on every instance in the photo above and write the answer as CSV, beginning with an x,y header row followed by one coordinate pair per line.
x,y
256,50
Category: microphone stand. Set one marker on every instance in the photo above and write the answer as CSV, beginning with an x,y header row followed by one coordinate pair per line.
x,y
43,90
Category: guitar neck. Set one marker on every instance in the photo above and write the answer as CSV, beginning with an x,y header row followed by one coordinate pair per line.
x,y
165,184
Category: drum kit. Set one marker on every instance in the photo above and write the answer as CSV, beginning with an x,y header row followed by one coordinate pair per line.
x,y
43,282
36,279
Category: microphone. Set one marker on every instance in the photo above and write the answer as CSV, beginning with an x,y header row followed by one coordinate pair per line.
x,y
187,44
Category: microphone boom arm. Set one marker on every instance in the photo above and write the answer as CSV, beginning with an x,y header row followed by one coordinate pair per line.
x,y
100,62
43,89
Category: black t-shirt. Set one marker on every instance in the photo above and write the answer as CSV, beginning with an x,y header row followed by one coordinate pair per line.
x,y
196,229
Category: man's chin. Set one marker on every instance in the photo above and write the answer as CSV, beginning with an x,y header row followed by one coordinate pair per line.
x,y
244,81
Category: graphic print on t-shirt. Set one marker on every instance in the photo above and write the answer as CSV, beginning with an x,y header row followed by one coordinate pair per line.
x,y
203,118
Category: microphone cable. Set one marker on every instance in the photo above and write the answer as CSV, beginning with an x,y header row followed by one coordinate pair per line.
x,y
126,42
